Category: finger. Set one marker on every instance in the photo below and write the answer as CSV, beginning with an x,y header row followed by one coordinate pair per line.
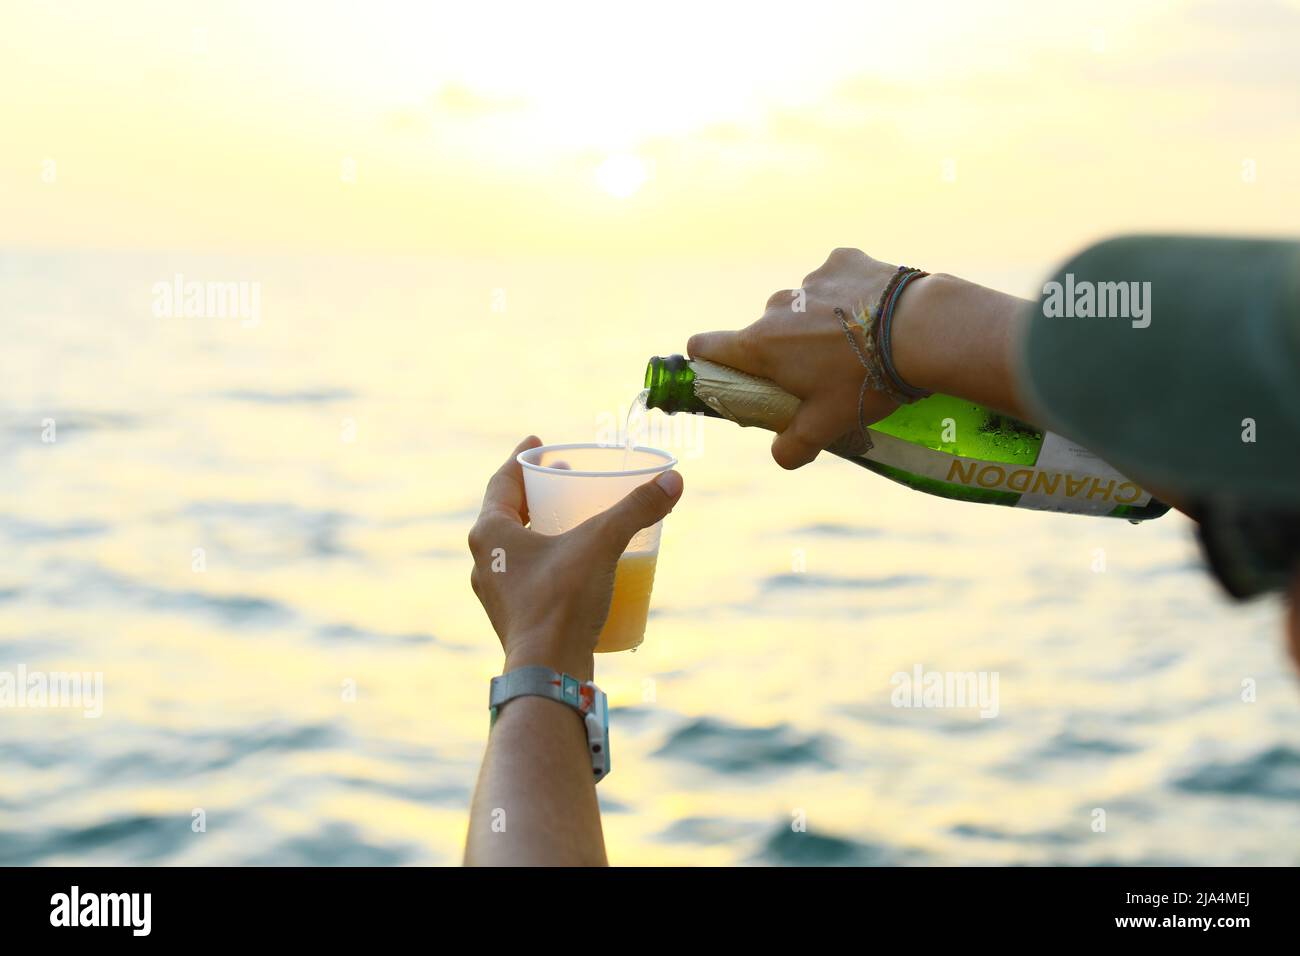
x,y
726,348
505,490
817,423
640,508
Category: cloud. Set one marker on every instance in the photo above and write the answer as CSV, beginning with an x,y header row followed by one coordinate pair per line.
x,y
463,100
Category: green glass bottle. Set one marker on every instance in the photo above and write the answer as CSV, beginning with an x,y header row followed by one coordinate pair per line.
x,y
940,445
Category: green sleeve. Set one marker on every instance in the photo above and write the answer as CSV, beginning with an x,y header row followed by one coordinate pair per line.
x,y
1177,359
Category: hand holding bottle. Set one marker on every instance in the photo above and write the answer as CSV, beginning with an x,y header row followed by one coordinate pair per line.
x,y
949,336
800,344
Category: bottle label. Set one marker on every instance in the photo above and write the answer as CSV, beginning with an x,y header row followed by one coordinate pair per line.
x,y
1059,454
1064,477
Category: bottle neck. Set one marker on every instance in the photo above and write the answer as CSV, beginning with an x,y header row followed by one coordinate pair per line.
x,y
670,381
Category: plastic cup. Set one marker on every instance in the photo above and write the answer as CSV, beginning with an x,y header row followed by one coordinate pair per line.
x,y
567,484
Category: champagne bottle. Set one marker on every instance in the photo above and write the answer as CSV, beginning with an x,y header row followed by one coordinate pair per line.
x,y
941,445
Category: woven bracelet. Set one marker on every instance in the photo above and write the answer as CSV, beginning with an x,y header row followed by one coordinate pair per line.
x,y
884,327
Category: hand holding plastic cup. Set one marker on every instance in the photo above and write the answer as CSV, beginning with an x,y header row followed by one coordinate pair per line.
x,y
566,484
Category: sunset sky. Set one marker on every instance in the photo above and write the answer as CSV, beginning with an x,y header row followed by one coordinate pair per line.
x,y
948,131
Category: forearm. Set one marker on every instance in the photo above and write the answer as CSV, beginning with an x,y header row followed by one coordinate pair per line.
x,y
535,803
958,338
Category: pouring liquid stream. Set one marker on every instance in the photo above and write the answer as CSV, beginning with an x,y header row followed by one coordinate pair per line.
x,y
634,424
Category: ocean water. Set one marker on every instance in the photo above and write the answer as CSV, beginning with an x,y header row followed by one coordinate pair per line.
x,y
254,529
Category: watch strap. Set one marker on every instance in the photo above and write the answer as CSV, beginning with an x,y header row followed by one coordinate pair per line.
x,y
583,696
539,681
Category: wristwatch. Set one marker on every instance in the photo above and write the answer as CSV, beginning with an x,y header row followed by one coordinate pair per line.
x,y
583,696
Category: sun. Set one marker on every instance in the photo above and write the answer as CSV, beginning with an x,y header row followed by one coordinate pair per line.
x,y
622,174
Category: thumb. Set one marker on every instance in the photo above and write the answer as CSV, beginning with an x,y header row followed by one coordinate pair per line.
x,y
640,508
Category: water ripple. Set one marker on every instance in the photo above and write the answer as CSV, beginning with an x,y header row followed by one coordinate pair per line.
x,y
142,838
24,529
306,397
1272,774
788,847
728,748
93,581
334,844
789,581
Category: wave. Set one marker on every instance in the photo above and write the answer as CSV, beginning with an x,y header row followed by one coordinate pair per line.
x,y
306,397
728,748
789,847
1272,774
140,838
334,844
788,581
24,529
